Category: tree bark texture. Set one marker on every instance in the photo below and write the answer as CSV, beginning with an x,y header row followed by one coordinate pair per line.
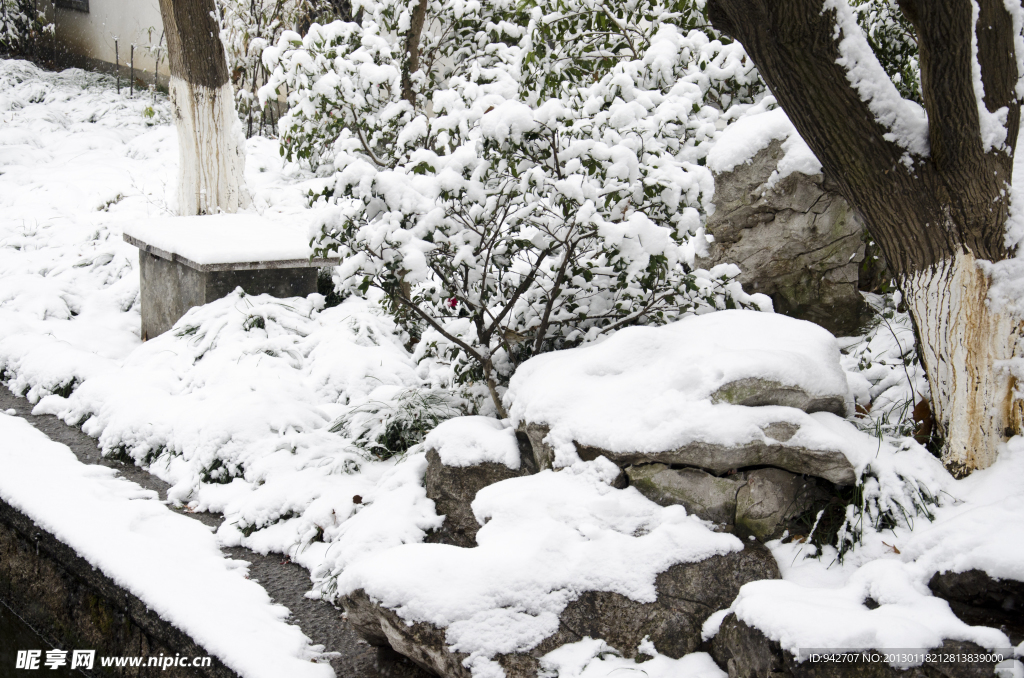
x,y
934,217
210,140
412,51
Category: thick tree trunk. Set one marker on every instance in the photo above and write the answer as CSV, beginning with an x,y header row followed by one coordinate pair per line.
x,y
211,173
963,343
935,203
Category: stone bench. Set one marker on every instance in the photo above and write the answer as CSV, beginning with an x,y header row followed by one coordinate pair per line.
x,y
191,261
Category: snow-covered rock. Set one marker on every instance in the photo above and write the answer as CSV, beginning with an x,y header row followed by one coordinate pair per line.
x,y
561,555
465,455
794,239
701,493
719,392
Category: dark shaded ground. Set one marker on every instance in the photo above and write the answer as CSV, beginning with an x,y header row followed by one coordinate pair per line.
x,y
284,581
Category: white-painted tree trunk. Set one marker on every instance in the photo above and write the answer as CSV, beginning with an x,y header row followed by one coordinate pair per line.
x,y
964,345
211,169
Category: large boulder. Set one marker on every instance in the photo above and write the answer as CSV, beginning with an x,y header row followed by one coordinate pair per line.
x,y
465,455
561,556
794,238
718,392
687,594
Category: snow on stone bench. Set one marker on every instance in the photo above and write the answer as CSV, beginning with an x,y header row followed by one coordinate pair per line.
x,y
171,562
191,261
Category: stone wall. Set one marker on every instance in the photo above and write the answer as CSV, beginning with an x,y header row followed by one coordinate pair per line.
x,y
65,599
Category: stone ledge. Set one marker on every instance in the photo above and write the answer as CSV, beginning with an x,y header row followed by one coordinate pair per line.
x,y
60,594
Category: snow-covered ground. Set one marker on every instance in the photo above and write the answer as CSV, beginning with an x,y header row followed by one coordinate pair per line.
x,y
234,406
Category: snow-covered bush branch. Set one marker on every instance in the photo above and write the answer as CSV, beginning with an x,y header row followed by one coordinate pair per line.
x,y
250,26
22,24
505,212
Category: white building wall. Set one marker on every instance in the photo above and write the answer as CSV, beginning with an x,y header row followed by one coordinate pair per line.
x,y
90,37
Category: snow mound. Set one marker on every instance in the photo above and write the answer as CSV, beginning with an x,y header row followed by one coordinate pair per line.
x,y
545,539
739,143
652,389
171,562
984,530
907,616
593,658
468,441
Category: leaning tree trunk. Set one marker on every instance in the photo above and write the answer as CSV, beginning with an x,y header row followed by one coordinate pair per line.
x,y
935,211
211,156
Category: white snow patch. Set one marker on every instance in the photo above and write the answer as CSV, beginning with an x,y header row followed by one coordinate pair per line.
x,y
992,123
906,120
739,143
593,658
468,441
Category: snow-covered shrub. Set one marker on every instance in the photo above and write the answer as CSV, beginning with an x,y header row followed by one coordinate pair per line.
x,y
249,26
505,212
22,24
388,427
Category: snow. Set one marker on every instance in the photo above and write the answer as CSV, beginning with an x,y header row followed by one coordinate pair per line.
x,y
992,123
593,658
739,143
819,604
906,120
649,389
907,616
237,417
545,539
126,533
224,238
468,441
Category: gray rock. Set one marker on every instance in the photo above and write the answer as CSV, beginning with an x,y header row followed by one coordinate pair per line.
x,y
755,392
980,600
422,643
832,465
745,652
453,489
688,593
797,242
702,494
771,498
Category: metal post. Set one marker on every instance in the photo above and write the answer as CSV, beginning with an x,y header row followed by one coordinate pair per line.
x,y
117,66
131,80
